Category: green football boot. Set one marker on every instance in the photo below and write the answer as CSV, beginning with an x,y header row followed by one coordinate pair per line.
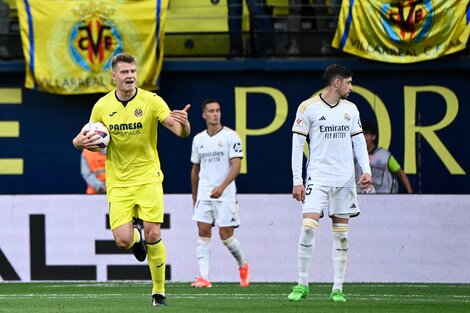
x,y
298,292
337,296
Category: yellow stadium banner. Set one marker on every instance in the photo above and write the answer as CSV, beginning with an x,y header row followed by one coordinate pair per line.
x,y
402,31
68,45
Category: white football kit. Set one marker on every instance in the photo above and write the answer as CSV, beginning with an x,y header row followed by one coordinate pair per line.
x,y
330,168
213,154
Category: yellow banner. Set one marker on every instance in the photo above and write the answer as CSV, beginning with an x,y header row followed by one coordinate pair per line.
x,y
68,45
402,31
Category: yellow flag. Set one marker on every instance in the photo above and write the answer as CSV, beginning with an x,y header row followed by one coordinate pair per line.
x,y
402,31
68,45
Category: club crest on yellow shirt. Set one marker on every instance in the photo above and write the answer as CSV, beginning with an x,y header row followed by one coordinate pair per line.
x,y
138,112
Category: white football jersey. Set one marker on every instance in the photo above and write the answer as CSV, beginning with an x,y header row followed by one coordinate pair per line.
x,y
329,130
213,154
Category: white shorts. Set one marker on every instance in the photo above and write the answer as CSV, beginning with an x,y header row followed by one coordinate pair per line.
x,y
337,201
217,213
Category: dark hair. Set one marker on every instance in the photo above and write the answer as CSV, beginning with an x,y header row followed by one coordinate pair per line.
x,y
333,71
121,57
369,128
208,100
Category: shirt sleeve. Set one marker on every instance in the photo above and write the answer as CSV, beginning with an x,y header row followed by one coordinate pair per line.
x,y
301,124
360,151
162,110
393,164
356,126
96,114
300,131
195,159
298,142
236,148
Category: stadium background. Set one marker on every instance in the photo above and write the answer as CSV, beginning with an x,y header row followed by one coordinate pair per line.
x,y
47,122
37,157
37,128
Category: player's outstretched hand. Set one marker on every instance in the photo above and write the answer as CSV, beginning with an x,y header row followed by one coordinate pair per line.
x,y
181,116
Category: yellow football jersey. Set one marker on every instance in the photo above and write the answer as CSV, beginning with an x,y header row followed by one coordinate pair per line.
x,y
132,157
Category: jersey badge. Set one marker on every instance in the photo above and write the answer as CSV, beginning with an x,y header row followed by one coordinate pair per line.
x,y
237,147
138,112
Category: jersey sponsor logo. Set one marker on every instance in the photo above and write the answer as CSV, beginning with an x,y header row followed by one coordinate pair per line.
x,y
353,206
125,127
112,113
138,112
211,157
322,118
335,131
333,128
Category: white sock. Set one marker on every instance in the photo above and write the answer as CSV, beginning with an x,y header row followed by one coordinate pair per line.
x,y
203,254
339,254
306,248
235,249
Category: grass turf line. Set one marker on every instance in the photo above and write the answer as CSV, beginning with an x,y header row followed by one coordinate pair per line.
x,y
128,297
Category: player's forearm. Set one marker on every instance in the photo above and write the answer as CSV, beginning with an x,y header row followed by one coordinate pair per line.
x,y
234,171
194,184
184,129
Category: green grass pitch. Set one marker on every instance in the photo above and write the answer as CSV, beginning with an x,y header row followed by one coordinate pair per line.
x,y
129,297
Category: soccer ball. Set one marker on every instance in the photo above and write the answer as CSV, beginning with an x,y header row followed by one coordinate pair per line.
x,y
101,130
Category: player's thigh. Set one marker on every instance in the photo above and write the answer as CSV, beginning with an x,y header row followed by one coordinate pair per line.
x,y
343,202
316,199
204,212
150,205
121,205
227,214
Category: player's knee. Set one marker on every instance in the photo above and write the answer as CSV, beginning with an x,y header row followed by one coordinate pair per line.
x,y
340,232
204,233
123,243
226,233
152,234
309,225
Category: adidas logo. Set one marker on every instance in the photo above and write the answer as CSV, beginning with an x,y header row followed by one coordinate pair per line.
x,y
322,118
353,206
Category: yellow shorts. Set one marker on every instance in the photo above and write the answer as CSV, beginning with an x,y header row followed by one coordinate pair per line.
x,y
143,201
